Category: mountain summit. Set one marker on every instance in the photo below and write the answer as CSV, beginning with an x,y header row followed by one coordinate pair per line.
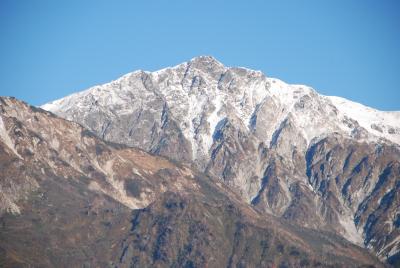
x,y
320,161
240,91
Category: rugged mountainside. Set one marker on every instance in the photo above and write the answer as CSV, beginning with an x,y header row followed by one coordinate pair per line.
x,y
323,162
70,199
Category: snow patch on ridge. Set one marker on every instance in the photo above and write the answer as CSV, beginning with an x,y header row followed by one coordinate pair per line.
x,y
379,123
213,120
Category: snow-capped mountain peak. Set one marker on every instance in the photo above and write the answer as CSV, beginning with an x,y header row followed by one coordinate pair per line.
x,y
271,141
203,92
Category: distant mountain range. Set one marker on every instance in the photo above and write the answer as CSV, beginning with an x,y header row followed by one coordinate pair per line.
x,y
199,165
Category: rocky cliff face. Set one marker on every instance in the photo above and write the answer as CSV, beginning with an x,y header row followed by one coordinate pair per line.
x,y
69,198
322,162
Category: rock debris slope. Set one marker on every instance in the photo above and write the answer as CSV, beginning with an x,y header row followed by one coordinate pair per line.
x,y
322,162
70,199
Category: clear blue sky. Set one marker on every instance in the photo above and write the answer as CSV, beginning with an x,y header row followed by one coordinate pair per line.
x,y
49,49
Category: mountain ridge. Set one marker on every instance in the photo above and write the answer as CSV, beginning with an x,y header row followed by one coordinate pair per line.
x,y
262,137
393,115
